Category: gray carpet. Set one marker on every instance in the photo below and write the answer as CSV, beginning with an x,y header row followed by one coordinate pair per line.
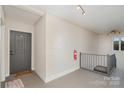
x,y
77,79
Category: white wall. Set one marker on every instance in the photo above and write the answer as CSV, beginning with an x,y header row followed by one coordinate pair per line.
x,y
105,47
105,44
12,24
40,49
62,37
2,34
0,44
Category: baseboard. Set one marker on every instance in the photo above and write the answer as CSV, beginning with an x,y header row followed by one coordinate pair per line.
x,y
55,76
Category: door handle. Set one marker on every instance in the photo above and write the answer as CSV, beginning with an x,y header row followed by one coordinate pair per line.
x,y
11,52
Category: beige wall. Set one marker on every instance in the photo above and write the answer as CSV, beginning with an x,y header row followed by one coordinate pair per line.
x,y
62,37
40,49
105,47
12,24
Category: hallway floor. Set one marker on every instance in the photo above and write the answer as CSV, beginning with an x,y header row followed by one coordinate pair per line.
x,y
77,79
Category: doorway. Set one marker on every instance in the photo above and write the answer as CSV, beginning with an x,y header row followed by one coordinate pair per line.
x,y
20,51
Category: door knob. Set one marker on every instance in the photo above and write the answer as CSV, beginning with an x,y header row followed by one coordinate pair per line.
x,y
11,52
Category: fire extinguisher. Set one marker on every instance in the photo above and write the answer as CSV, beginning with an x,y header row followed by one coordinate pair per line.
x,y
75,55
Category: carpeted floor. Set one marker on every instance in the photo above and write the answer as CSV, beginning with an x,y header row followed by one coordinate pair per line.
x,y
77,79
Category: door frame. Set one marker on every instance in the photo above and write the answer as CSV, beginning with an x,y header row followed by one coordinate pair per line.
x,y
32,53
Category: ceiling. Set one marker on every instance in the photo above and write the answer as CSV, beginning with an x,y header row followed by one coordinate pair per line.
x,y
97,18
21,15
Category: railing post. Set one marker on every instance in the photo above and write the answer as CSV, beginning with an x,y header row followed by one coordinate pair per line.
x,y
108,64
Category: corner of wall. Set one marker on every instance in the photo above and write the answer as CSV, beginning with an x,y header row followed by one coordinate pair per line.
x,y
57,75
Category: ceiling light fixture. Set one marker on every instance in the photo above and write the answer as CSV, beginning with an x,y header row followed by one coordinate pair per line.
x,y
114,32
79,7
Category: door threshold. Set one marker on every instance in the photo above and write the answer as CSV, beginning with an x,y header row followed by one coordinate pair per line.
x,y
24,73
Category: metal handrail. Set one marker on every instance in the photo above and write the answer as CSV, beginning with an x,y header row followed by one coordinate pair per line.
x,y
94,54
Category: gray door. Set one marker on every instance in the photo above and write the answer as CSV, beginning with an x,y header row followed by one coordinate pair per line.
x,y
20,51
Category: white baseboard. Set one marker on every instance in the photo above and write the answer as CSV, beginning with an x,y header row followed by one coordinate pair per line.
x,y
55,76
